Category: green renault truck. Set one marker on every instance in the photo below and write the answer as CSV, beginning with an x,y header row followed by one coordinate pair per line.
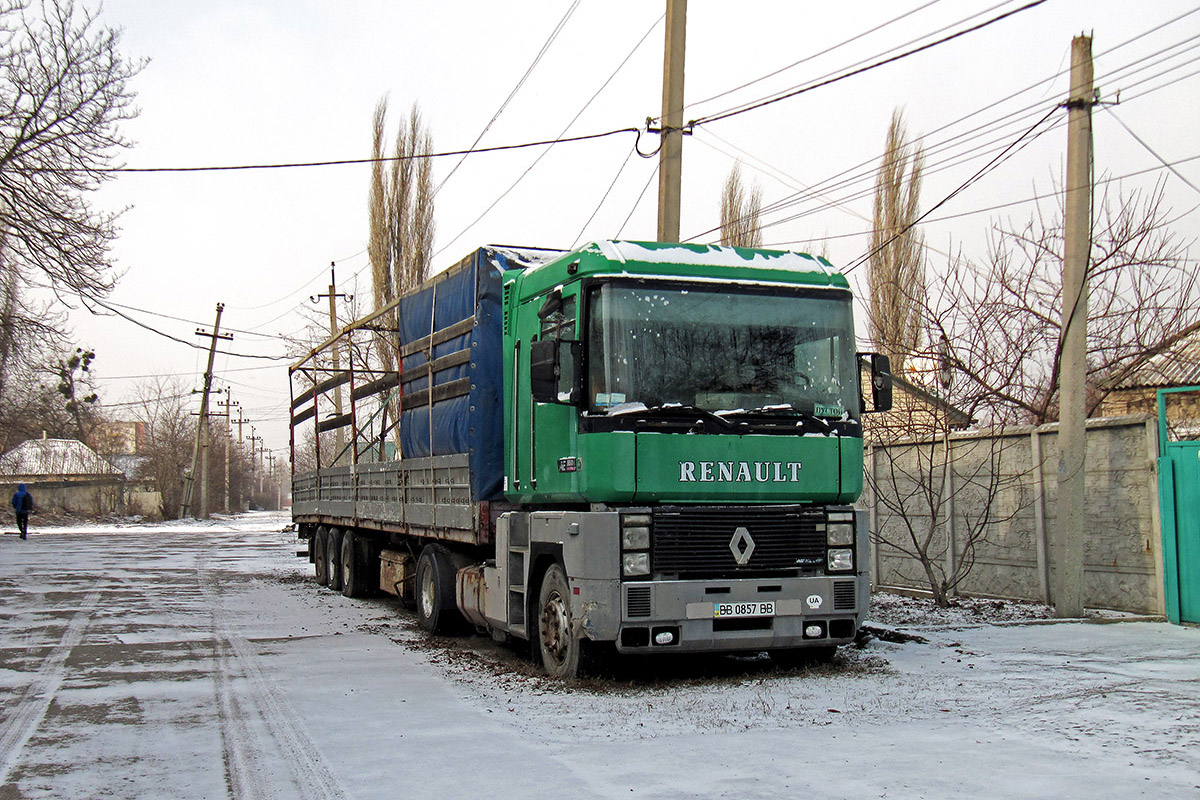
x,y
644,447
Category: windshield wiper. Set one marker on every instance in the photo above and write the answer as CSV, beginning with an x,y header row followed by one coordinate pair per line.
x,y
675,411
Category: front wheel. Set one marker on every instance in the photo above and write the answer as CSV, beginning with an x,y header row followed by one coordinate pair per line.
x,y
562,652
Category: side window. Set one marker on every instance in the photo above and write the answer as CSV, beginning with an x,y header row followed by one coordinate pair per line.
x,y
555,356
561,324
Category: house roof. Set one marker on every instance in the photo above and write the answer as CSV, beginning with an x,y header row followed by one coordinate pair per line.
x,y
955,416
1179,366
54,457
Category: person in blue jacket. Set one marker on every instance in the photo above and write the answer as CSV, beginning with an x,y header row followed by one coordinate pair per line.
x,y
22,503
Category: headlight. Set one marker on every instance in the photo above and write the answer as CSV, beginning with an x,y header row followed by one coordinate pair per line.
x,y
636,563
840,533
636,538
839,560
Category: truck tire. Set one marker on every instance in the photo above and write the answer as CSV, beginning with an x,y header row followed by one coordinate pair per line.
x,y
360,577
333,558
562,653
437,611
320,547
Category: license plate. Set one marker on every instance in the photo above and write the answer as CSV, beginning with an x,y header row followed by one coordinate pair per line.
x,y
755,609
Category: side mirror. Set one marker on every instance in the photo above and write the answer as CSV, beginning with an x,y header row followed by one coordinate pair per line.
x,y
552,305
554,367
880,367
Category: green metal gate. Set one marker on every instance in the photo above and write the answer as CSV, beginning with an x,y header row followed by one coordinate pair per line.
x,y
1179,498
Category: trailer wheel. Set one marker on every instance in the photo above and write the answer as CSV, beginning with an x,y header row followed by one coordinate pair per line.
x,y
356,566
320,547
333,558
562,652
437,611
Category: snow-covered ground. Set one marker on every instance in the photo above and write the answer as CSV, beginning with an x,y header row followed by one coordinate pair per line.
x,y
200,660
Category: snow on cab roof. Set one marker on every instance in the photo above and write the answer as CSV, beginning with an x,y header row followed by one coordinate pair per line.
x,y
712,255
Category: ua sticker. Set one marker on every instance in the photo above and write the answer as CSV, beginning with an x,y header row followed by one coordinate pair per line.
x,y
814,601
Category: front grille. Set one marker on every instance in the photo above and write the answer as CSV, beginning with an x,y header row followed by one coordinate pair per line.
x,y
843,595
637,601
695,542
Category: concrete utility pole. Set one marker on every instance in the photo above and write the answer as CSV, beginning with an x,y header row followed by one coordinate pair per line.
x,y
201,444
253,460
670,153
1072,415
228,405
333,331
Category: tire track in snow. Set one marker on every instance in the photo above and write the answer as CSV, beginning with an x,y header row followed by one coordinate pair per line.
x,y
247,776
31,708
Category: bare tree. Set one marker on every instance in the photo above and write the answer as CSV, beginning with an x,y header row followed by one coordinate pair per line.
x,y
162,407
62,94
896,268
1002,317
937,501
741,211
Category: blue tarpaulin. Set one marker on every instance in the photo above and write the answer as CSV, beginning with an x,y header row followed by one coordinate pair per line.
x,y
473,422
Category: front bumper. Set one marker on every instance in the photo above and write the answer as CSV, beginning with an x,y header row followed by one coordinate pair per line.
x,y
814,611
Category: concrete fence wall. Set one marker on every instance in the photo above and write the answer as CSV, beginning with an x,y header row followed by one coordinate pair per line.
x,y
1009,479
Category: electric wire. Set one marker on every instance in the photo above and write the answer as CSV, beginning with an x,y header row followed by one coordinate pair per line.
x,y
520,83
1151,150
871,58
638,202
979,175
704,120
865,171
545,152
586,137
1141,64
607,192
856,38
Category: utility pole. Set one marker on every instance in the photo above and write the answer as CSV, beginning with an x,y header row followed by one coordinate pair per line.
x,y
333,332
1072,414
670,153
201,444
240,421
228,405
253,463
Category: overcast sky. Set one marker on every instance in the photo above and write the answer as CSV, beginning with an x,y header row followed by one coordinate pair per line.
x,y
231,82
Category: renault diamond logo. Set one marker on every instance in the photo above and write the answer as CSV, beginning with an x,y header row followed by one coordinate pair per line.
x,y
742,546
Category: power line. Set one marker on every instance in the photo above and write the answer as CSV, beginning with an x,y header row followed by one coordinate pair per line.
x,y
336,162
1150,150
995,162
874,65
864,171
607,192
537,59
545,152
1023,201
857,37
638,202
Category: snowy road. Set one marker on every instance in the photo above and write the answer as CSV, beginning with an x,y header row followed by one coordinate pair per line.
x,y
200,661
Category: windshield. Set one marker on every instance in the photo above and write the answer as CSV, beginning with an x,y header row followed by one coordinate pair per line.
x,y
721,349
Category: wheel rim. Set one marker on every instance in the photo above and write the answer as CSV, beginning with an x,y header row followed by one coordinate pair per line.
x,y
555,633
427,594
